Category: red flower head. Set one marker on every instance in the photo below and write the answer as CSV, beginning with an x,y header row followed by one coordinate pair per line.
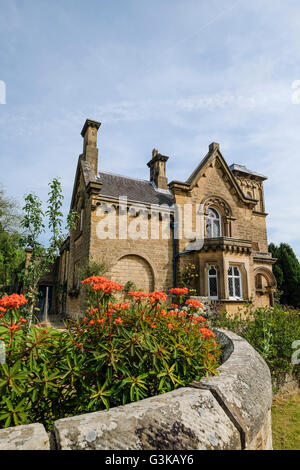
x,y
153,325
200,319
23,320
138,296
93,311
92,322
101,283
194,303
125,306
179,290
206,333
14,327
158,296
174,306
170,326
119,321
13,301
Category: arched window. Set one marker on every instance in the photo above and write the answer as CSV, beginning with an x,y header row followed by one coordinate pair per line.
x,y
213,223
234,283
213,283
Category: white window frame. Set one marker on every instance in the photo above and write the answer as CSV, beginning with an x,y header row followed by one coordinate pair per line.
x,y
211,220
215,276
233,277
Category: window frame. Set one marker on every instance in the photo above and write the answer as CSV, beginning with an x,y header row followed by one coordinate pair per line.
x,y
209,276
210,220
233,277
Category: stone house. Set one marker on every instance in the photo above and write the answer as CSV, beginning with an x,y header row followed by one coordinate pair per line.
x,y
230,254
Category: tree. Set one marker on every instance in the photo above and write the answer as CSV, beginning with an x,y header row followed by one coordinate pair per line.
x,y
287,273
12,255
34,224
9,214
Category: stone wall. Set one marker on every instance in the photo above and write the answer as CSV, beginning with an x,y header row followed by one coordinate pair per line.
x,y
228,411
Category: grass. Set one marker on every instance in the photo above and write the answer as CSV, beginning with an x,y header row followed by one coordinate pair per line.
x,y
286,422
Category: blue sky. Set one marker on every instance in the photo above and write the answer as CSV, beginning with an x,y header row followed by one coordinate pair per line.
x,y
171,74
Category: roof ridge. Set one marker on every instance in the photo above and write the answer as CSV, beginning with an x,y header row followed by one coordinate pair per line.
x,y
123,176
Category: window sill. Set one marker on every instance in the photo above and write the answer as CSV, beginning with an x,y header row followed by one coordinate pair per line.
x,y
237,301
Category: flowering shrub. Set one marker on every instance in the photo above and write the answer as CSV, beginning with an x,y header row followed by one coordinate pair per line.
x,y
271,331
117,353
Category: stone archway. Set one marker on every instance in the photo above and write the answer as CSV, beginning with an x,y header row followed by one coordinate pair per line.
x,y
264,277
136,269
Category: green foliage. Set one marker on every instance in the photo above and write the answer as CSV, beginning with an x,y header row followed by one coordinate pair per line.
x,y
115,355
12,258
287,273
271,331
12,254
33,222
189,277
130,286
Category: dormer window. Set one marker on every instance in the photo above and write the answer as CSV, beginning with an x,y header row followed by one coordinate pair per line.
x,y
213,223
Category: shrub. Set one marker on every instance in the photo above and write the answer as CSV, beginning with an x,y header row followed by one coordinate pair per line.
x,y
117,353
271,331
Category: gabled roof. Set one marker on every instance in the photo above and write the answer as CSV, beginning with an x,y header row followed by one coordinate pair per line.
x,y
214,152
114,186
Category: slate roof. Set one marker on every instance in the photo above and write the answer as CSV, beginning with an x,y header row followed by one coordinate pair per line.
x,y
243,169
136,190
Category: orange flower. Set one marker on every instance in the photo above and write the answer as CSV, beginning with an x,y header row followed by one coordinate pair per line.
x,y
101,321
206,333
198,319
125,306
158,296
153,325
13,301
194,303
138,296
92,322
2,309
171,313
103,284
170,326
119,321
163,312
45,331
174,306
93,311
84,319
179,290
23,320
14,327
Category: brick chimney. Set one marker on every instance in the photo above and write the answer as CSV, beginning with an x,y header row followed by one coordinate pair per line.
x,y
157,167
90,151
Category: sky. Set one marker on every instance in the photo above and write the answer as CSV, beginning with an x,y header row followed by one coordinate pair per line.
x,y
171,74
